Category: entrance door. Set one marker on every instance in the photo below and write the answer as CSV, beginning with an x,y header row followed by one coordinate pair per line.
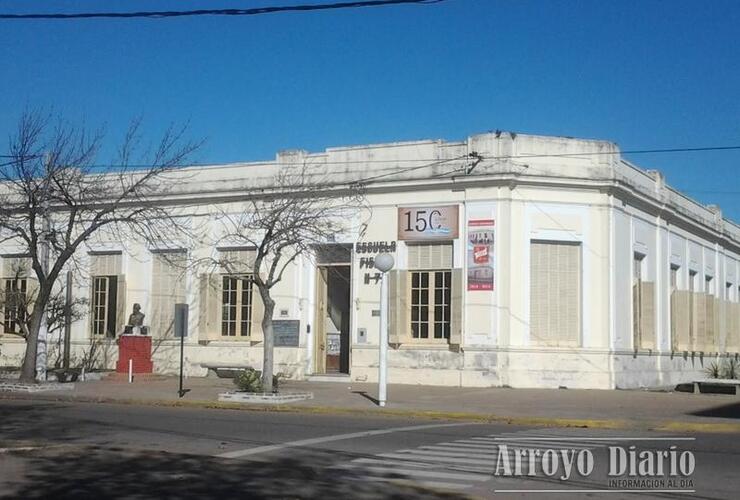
x,y
331,354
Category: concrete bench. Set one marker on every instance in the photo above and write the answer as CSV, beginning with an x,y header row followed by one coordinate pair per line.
x,y
716,382
225,370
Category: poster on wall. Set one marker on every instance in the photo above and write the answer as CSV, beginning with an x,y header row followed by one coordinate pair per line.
x,y
480,254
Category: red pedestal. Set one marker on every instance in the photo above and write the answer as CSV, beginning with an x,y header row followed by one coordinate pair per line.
x,y
137,348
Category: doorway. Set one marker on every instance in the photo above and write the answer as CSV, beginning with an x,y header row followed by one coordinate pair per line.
x,y
332,323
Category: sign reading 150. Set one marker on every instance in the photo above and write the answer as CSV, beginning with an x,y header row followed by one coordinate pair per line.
x,y
428,223
424,220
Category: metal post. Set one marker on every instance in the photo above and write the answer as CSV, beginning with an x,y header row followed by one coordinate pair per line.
x,y
182,357
181,330
383,340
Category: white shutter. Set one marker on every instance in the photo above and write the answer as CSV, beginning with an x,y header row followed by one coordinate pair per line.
x,y
120,311
105,264
168,289
256,334
399,314
647,315
700,321
209,324
680,320
456,298
430,256
237,260
555,293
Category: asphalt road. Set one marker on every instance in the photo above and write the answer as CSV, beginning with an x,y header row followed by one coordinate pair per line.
x,y
83,450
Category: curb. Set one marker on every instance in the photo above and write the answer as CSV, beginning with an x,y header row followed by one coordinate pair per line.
x,y
645,425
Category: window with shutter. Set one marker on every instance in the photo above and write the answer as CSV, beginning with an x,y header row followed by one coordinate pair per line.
x,y
430,290
237,296
168,289
555,293
107,293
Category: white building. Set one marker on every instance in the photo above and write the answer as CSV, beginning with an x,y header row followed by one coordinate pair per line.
x,y
521,261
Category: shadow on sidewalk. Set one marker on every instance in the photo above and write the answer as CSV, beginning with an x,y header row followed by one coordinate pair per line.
x,y
367,396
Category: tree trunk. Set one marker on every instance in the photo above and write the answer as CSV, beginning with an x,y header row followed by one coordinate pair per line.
x,y
28,368
269,341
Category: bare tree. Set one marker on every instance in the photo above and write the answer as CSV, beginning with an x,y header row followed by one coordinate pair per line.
x,y
299,209
54,199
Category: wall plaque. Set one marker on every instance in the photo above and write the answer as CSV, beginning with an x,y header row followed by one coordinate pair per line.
x,y
428,223
287,332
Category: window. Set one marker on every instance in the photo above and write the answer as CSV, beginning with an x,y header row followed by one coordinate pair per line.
x,y
430,275
168,289
692,307
236,305
674,298
643,306
431,294
14,310
674,277
104,305
555,293
708,285
230,307
107,300
728,292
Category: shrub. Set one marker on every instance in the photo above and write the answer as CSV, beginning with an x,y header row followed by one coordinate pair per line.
x,y
730,369
250,380
713,370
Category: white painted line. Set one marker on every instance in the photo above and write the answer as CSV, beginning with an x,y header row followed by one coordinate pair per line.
x,y
448,486
594,491
446,452
525,444
486,462
380,461
327,439
435,474
429,484
600,439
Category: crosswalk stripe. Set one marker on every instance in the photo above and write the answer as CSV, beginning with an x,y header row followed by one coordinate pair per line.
x,y
431,458
464,476
475,469
429,484
444,451
522,445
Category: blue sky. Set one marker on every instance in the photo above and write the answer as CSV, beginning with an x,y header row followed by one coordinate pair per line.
x,y
644,74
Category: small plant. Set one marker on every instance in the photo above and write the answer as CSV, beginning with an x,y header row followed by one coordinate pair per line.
x,y
250,380
713,370
730,369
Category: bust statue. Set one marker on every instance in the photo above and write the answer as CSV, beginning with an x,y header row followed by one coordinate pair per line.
x,y
136,321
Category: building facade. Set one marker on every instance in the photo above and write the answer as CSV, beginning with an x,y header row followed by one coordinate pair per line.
x,y
521,261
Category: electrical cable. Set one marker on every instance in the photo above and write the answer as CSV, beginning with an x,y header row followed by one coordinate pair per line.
x,y
215,12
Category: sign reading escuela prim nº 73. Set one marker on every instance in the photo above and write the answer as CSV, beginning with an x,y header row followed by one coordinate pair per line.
x,y
428,223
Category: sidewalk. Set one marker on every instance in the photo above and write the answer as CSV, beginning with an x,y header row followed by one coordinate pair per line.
x,y
668,411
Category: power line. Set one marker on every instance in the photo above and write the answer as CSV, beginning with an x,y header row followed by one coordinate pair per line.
x,y
215,12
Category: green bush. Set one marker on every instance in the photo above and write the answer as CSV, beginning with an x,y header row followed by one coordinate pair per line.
x,y
250,380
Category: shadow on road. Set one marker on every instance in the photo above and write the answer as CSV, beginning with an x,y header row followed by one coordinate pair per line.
x,y
731,410
94,472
